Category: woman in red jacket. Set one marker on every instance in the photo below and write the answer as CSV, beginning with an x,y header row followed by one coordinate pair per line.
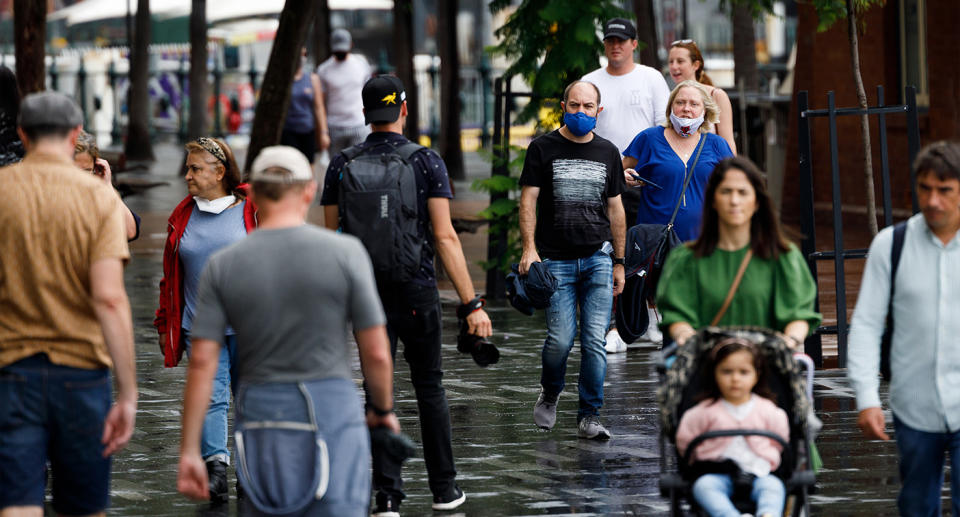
x,y
216,214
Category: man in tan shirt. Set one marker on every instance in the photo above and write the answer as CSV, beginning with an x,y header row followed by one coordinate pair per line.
x,y
64,322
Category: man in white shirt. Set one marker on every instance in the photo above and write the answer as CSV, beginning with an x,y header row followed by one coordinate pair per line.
x,y
634,95
634,98
343,75
925,345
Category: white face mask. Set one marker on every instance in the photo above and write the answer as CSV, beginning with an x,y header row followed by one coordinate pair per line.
x,y
214,206
686,126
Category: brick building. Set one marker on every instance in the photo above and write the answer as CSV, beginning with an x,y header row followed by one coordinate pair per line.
x,y
906,42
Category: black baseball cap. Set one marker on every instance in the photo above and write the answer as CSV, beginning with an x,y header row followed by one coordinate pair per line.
x,y
50,109
619,28
382,97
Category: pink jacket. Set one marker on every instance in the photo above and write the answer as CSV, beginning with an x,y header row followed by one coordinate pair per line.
x,y
710,415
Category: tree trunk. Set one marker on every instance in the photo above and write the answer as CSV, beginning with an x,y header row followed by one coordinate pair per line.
x,y
744,48
321,33
138,146
450,149
647,33
295,20
403,48
864,119
30,35
199,84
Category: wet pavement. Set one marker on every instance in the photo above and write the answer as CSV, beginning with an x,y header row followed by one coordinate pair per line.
x,y
506,465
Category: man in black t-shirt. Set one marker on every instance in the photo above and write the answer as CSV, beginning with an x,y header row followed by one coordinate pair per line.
x,y
570,210
413,307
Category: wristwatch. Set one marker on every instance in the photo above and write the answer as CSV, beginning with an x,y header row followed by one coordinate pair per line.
x,y
618,260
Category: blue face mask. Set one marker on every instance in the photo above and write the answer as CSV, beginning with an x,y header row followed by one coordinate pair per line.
x,y
579,123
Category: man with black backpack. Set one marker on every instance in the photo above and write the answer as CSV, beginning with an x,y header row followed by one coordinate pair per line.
x,y
395,196
913,275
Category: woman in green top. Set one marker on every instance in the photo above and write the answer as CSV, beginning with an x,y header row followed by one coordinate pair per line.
x,y
777,290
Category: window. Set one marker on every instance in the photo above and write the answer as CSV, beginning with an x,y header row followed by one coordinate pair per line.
x,y
913,49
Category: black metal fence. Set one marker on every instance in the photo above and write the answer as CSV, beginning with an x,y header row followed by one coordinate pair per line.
x,y
839,254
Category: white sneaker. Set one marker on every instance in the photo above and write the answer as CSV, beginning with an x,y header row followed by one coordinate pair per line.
x,y
591,429
653,334
614,343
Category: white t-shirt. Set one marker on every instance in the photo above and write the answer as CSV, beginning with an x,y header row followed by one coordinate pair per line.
x,y
631,102
342,83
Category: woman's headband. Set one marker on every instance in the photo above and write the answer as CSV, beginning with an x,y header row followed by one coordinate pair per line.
x,y
211,146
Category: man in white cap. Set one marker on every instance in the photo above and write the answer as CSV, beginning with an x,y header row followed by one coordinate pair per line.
x,y
343,75
292,292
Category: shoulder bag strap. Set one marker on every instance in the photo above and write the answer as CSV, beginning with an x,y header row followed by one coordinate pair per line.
x,y
733,287
688,174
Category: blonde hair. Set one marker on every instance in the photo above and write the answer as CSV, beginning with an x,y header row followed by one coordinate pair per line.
x,y
86,143
711,112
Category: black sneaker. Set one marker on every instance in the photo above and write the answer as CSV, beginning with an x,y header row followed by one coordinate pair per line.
x,y
387,506
454,498
217,475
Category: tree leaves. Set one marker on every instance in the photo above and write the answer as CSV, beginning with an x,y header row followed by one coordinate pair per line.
x,y
552,43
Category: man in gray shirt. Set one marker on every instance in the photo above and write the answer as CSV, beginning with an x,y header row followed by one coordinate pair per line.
x,y
925,346
291,291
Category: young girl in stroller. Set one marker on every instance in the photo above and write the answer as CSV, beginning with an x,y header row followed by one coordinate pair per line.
x,y
737,397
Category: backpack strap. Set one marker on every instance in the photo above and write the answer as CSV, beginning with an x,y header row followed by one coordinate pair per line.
x,y
352,152
407,150
899,234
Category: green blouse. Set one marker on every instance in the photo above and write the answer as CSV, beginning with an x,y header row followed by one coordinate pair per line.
x,y
773,292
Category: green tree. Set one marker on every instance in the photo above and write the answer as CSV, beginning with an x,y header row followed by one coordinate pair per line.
x,y
550,44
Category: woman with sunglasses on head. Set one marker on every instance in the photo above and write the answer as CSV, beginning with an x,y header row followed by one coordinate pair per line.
x,y
686,64
740,232
215,214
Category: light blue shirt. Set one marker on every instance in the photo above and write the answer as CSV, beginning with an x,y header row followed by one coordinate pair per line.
x,y
205,234
925,350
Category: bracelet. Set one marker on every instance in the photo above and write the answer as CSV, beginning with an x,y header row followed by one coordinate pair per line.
x,y
473,305
618,261
379,412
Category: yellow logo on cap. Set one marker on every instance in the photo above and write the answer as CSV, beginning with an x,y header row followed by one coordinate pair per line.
x,y
390,99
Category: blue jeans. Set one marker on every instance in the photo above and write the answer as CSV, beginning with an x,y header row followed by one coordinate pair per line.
x,y
586,283
213,440
921,469
53,413
713,491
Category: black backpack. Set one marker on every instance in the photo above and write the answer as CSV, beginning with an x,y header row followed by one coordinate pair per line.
x,y
378,205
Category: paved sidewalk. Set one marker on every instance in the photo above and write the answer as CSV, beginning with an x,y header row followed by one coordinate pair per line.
x,y
506,465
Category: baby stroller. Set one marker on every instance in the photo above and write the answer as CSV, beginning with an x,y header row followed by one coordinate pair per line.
x,y
787,381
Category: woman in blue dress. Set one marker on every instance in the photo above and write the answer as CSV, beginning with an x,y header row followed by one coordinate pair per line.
x,y
658,161
659,158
